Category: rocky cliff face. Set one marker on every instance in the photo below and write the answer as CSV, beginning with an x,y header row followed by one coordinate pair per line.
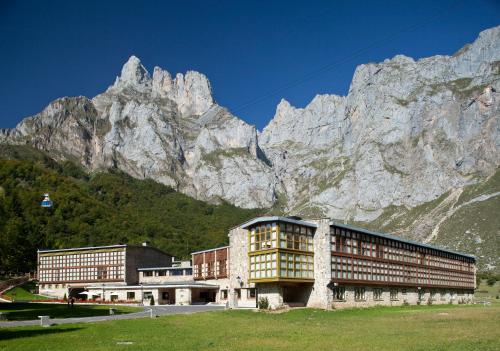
x,y
164,128
409,134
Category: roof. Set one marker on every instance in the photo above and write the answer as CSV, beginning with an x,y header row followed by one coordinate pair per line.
x,y
162,268
184,284
208,250
86,248
105,247
278,219
397,238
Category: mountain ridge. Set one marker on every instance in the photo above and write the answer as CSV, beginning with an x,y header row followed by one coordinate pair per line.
x,y
409,133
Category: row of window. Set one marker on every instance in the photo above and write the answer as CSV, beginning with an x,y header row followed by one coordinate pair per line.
x,y
82,259
282,235
358,269
168,272
290,265
250,293
211,269
82,274
346,241
339,294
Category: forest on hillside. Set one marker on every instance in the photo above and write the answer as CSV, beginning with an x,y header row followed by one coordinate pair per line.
x,y
98,209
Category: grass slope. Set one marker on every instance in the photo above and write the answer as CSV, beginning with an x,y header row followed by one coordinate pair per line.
x,y
30,311
98,209
406,328
472,227
23,292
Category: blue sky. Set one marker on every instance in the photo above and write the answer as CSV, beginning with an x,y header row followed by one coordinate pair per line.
x,y
254,53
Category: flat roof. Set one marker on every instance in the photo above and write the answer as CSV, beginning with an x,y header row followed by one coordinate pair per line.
x,y
208,250
278,219
162,268
86,248
184,284
104,247
397,238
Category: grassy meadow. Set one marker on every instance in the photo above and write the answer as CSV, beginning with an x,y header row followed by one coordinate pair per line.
x,y
457,327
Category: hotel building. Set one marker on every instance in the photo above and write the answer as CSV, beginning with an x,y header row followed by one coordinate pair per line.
x,y
70,271
294,262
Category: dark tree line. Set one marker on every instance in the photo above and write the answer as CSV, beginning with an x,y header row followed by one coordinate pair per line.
x,y
100,209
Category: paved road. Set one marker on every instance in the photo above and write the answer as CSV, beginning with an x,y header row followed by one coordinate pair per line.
x,y
157,311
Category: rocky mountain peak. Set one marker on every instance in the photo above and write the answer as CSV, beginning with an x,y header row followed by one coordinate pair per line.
x,y
409,133
134,73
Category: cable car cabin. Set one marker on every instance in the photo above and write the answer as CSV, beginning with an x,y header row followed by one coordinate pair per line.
x,y
46,201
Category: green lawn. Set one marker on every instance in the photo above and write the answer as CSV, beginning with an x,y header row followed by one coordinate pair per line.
x,y
394,328
25,311
24,292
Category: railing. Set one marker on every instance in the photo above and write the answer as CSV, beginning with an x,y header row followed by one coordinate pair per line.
x,y
7,284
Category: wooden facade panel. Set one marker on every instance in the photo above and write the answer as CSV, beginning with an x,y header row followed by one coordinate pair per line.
x,y
359,257
211,264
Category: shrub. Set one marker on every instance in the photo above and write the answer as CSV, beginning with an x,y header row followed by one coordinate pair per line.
x,y
406,303
491,280
419,302
429,302
65,298
263,303
497,297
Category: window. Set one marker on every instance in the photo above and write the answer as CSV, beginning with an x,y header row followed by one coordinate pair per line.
x,y
377,294
130,295
114,297
102,273
359,294
251,293
238,293
162,273
394,294
223,294
339,293
148,295
148,273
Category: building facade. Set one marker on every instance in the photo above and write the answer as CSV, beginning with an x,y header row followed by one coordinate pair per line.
x,y
70,271
324,264
285,261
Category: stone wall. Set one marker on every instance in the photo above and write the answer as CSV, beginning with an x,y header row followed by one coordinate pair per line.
x,y
238,267
273,292
320,295
403,296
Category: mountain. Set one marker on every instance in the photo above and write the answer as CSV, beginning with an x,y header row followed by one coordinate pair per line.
x,y
102,208
413,148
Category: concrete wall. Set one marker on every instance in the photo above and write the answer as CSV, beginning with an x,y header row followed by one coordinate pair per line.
x,y
143,257
182,296
157,279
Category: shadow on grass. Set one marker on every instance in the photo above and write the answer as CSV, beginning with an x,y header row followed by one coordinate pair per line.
x,y
30,311
16,334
